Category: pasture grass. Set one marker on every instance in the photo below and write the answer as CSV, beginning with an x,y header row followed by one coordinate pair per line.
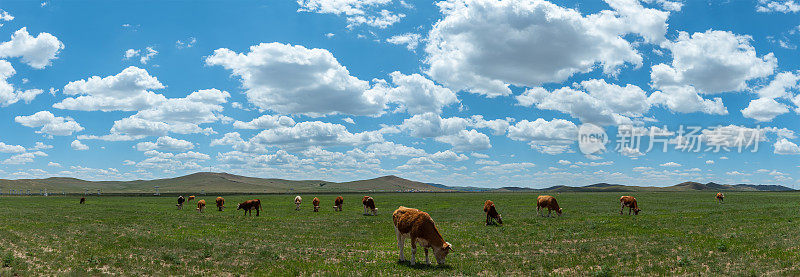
x,y
677,233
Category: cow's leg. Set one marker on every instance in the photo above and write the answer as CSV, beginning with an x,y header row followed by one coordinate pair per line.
x,y
258,211
365,209
413,250
548,212
426,256
538,211
629,210
487,218
621,207
400,243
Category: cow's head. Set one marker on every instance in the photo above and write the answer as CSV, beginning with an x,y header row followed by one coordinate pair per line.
x,y
500,219
442,252
560,211
239,207
636,211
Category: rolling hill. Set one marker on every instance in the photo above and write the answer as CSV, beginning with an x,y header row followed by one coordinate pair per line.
x,y
217,182
685,186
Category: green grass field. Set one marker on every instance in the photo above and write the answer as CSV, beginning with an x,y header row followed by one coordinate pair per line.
x,y
753,233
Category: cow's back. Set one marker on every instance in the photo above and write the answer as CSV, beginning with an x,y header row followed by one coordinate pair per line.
x,y
339,200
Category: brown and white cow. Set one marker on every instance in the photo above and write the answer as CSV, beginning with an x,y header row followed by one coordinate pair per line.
x,y
491,213
549,202
191,197
630,202
297,201
201,205
220,203
369,205
337,204
83,200
315,203
419,227
720,198
249,205
180,202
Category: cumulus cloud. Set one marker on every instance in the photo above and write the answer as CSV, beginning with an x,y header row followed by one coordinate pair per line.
x,y
551,137
5,16
77,145
24,158
686,99
165,143
786,147
275,75
410,40
144,55
176,115
483,46
416,94
670,164
357,12
7,148
712,62
466,140
265,122
782,6
10,95
50,124
130,90
764,109
36,52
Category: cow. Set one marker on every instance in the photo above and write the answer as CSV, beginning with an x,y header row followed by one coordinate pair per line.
x,y
369,205
720,198
220,203
191,197
419,227
249,205
315,202
297,201
83,200
491,213
337,204
549,202
201,205
630,202
180,202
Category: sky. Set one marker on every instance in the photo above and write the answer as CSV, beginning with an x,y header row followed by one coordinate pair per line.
x,y
481,93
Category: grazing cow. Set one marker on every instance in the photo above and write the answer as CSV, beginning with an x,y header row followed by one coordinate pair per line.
x,y
419,227
720,198
220,203
83,200
491,213
315,202
201,205
249,205
191,197
369,205
549,202
180,202
297,201
630,202
337,204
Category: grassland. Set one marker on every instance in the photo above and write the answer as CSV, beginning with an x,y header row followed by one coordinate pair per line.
x,y
754,233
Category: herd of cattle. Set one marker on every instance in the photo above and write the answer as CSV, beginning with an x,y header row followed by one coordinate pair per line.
x,y
414,224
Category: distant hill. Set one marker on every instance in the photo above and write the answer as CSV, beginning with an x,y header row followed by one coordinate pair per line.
x,y
685,186
218,182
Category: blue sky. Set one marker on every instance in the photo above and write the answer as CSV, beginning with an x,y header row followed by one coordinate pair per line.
x,y
477,93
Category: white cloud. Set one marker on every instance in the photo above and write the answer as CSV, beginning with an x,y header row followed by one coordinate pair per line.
x,y
667,5
130,53
189,43
780,84
127,91
564,162
786,147
410,40
448,155
712,62
710,162
551,137
357,12
191,155
782,6
8,94
764,109
392,149
5,16
50,124
52,164
480,155
175,115
416,94
165,143
265,122
670,164
7,148
466,140
483,46
432,125
77,145
349,120
36,52
275,75
148,53
685,99
314,133
24,158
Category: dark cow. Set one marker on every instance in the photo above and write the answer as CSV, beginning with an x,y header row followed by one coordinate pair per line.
x,y
720,198
315,202
180,202
491,213
249,205
369,206
83,200
337,204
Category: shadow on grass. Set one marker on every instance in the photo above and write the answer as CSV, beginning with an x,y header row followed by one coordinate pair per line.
x,y
424,266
